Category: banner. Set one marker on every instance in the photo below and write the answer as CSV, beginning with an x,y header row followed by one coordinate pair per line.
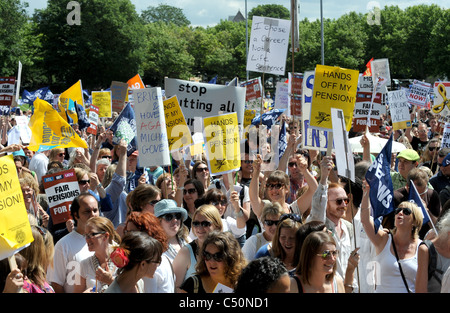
x,y
381,188
268,45
399,108
93,120
49,130
103,100
119,93
151,133
61,188
315,139
15,230
253,94
334,87
198,100
7,90
222,139
295,93
178,132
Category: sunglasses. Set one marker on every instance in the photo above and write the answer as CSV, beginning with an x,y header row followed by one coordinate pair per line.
x,y
223,202
276,186
406,211
340,201
271,222
84,182
202,224
328,253
247,161
294,217
433,148
292,164
106,157
153,202
170,216
61,154
190,191
218,257
201,169
92,235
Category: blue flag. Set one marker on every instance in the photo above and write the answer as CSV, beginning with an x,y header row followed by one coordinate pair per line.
x,y
214,80
83,121
282,141
42,93
268,118
415,197
124,127
381,188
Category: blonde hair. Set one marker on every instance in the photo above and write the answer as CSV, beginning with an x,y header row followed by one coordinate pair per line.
x,y
417,216
210,212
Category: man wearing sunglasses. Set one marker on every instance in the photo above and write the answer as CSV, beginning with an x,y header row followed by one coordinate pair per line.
x,y
329,205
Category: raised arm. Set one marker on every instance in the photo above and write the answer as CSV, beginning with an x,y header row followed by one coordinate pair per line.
x,y
255,201
304,202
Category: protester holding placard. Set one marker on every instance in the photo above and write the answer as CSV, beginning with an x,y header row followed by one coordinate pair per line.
x,y
30,190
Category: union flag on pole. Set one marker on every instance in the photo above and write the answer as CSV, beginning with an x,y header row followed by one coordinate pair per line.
x,y
368,71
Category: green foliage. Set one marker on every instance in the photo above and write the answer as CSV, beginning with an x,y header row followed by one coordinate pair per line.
x,y
165,13
270,10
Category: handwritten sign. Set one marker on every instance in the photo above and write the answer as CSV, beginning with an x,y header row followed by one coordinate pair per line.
x,y
222,143
399,107
334,87
102,100
198,100
178,132
152,142
268,45
61,188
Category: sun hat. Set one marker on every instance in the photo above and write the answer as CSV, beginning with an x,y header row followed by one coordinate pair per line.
x,y
166,206
409,154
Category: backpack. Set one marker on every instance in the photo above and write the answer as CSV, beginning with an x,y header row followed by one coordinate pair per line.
x,y
432,261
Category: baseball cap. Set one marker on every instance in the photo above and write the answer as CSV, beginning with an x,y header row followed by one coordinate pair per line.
x,y
409,154
446,161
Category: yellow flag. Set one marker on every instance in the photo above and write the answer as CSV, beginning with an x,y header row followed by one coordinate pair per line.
x,y
222,143
334,87
15,230
67,101
49,130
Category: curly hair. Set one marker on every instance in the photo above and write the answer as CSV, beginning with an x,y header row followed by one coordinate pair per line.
x,y
260,275
150,224
233,257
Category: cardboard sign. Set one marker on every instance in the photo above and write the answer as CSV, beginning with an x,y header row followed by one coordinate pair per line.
x,y
344,155
93,120
222,143
268,45
15,230
334,87
399,107
295,93
151,133
61,188
198,100
315,139
7,90
119,93
102,100
178,133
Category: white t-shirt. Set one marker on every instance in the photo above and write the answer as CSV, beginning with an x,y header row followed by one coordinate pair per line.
x,y
163,280
69,252
252,245
39,164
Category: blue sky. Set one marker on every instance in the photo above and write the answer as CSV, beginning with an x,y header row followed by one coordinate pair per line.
x,y
210,12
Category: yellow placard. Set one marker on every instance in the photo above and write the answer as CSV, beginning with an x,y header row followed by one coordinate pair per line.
x,y
334,87
222,143
15,229
102,100
49,130
178,132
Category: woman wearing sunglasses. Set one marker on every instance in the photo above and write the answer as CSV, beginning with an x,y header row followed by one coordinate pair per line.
x,y
430,154
200,171
192,190
270,217
283,242
171,218
97,272
204,220
316,270
396,250
277,189
221,262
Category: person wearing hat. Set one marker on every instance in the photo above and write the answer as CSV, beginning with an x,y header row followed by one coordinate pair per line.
x,y
441,180
407,160
172,217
